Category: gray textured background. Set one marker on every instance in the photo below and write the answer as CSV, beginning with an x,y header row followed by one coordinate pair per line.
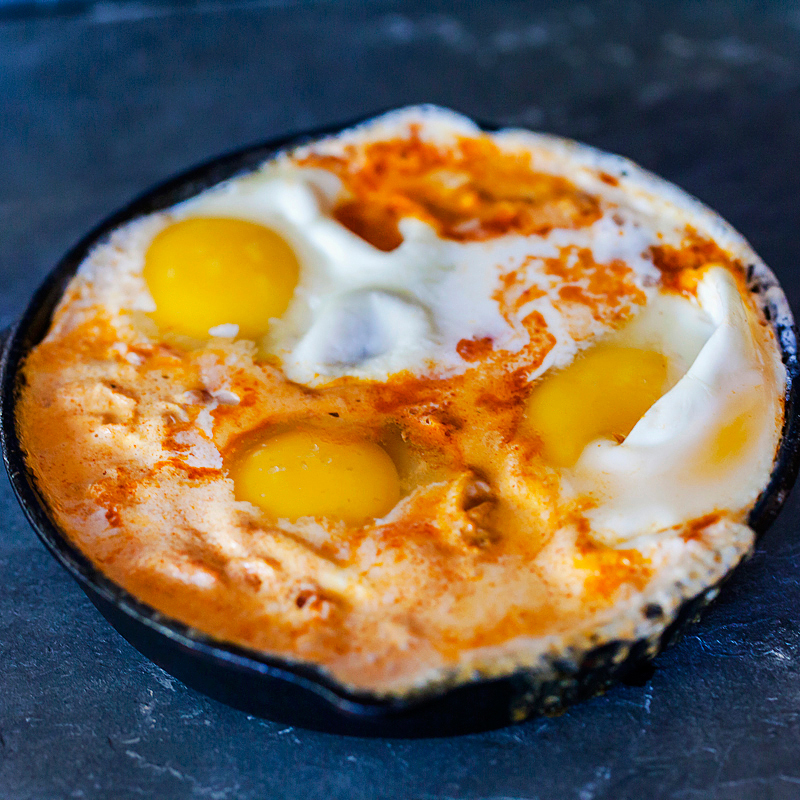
x,y
100,100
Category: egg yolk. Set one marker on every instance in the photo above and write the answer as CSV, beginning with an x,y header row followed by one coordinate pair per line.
x,y
303,473
206,271
602,394
729,445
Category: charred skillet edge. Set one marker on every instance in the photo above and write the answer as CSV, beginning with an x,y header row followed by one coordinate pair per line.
x,y
763,284
172,644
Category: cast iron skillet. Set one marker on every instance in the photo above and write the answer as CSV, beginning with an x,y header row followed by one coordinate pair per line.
x,y
300,694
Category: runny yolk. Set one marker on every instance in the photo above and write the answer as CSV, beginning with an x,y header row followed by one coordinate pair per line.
x,y
303,473
208,271
602,394
732,439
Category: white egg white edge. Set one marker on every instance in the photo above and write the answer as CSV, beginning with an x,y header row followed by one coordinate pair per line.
x,y
680,578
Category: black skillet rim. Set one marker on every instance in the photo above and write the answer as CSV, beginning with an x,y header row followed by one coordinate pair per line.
x,y
31,327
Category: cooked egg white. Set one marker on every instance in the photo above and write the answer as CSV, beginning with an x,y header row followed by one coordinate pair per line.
x,y
706,444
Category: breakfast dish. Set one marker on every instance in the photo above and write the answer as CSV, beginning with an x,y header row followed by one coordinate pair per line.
x,y
413,403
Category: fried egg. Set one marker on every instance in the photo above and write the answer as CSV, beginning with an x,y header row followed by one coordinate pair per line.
x,y
413,403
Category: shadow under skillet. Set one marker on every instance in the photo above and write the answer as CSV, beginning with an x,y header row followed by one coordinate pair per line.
x,y
100,102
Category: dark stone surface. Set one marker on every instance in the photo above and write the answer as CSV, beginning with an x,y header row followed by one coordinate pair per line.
x,y
100,100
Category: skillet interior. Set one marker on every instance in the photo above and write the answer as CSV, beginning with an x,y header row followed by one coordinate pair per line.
x,y
300,694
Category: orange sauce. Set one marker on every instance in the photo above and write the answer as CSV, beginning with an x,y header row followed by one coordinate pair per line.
x,y
469,191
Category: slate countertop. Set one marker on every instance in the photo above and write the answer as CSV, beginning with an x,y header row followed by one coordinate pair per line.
x,y
100,100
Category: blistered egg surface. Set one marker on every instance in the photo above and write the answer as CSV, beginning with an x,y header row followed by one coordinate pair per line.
x,y
412,403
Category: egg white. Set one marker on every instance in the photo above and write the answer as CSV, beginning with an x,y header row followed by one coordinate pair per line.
x,y
661,475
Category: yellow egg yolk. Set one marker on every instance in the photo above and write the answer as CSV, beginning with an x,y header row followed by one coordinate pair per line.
x,y
206,271
728,445
304,473
602,394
